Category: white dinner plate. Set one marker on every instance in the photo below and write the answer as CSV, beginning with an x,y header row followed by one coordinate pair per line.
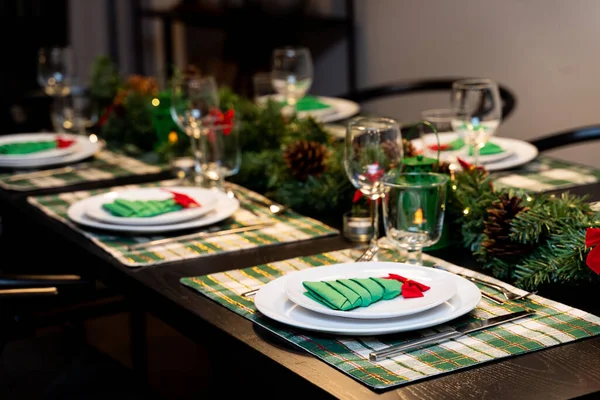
x,y
441,289
205,197
36,137
340,108
85,148
224,209
522,152
272,302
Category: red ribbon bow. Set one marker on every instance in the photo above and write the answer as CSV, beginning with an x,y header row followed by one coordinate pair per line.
x,y
63,143
183,199
223,120
373,177
410,288
592,239
468,167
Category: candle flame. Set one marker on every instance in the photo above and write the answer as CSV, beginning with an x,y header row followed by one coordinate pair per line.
x,y
419,216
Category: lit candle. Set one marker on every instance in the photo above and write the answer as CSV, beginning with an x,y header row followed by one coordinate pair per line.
x,y
419,217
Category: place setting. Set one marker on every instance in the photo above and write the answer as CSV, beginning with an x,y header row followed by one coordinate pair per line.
x,y
288,84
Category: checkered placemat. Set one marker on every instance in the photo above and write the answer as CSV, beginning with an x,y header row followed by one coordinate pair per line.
x,y
546,174
553,324
289,227
105,166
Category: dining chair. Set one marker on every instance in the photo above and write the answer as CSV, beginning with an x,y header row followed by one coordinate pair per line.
x,y
417,86
567,138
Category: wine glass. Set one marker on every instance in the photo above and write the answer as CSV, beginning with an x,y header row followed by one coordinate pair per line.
x,y
292,74
75,113
193,99
373,148
223,156
478,112
413,210
55,70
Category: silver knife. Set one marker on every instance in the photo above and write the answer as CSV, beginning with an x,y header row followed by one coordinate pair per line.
x,y
443,336
201,235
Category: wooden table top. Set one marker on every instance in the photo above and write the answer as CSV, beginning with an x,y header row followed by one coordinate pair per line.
x,y
560,372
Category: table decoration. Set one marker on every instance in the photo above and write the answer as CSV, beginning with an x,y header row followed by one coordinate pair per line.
x,y
531,239
553,324
289,227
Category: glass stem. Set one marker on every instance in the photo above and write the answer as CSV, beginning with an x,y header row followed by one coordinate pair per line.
x,y
374,221
414,255
197,153
476,152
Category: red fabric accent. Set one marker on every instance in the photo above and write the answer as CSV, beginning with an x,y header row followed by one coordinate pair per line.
x,y
410,288
443,147
466,166
224,120
104,117
592,239
183,199
63,143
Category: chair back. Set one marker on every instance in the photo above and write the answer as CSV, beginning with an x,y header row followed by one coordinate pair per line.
x,y
567,138
408,87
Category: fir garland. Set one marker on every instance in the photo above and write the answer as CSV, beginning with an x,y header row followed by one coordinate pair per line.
x,y
538,239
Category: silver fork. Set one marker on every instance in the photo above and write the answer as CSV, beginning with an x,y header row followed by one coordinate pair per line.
x,y
505,292
366,256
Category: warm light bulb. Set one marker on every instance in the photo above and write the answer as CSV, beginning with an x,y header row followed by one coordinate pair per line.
x,y
155,102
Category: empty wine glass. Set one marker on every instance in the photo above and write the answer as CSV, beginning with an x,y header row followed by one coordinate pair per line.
x,y
75,113
292,74
223,156
373,148
413,210
193,99
478,112
55,70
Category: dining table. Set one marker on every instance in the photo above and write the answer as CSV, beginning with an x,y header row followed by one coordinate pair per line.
x,y
249,360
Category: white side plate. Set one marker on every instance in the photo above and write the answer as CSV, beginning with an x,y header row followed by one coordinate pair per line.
x,y
441,289
205,197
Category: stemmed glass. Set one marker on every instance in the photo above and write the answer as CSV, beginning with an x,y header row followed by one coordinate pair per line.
x,y
223,157
373,148
292,74
413,210
478,112
193,99
55,70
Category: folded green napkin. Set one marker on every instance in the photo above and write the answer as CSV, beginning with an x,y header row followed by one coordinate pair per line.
x,y
309,103
141,208
489,148
26,147
347,294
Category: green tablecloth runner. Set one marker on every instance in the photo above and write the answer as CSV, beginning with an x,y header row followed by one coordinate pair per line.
x,y
554,324
545,174
106,165
290,227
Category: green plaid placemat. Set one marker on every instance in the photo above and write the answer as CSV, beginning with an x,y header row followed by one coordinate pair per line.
x,y
554,324
106,165
545,174
289,227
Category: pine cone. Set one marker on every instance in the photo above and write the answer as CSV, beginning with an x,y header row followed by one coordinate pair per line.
x,y
392,152
444,167
305,158
409,148
497,227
